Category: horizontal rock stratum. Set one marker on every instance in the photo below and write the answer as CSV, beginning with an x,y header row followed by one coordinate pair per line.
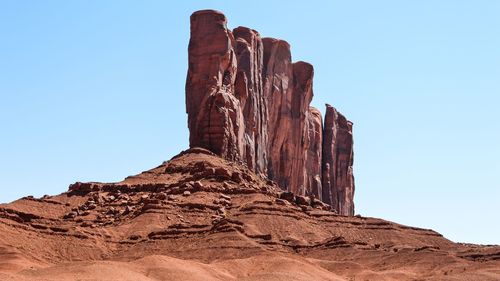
x,y
248,102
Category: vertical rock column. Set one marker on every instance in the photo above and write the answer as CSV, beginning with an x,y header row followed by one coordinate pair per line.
x,y
278,90
298,137
338,179
215,118
312,171
249,91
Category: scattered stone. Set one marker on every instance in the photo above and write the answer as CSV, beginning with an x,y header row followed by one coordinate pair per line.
x,y
306,208
70,215
288,196
161,196
151,206
135,237
111,211
186,193
301,200
197,185
86,224
318,204
222,172
128,210
236,177
282,202
221,211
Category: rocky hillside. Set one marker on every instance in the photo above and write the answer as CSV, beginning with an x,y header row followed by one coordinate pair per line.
x,y
201,217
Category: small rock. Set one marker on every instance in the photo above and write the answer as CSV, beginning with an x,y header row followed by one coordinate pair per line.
x,y
318,204
151,206
282,202
86,224
186,193
222,172
236,177
134,237
111,211
221,211
224,196
288,196
162,196
197,185
301,200
128,210
70,215
306,208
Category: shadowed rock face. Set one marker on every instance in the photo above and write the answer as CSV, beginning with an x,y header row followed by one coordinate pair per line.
x,y
247,102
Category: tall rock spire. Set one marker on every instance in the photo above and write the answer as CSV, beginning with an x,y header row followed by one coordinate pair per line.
x,y
247,101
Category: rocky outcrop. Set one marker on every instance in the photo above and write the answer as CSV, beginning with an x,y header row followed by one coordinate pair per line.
x,y
338,156
215,118
312,173
249,91
247,102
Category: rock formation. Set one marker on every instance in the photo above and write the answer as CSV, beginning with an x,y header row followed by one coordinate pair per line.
x,y
200,216
338,178
248,102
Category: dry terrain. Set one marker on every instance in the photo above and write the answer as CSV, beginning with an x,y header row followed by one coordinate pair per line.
x,y
200,217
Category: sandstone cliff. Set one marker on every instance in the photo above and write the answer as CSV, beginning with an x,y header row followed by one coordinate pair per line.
x,y
248,102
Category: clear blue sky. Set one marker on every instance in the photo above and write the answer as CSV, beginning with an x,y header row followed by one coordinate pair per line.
x,y
94,91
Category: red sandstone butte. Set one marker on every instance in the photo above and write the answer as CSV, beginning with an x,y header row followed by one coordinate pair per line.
x,y
248,102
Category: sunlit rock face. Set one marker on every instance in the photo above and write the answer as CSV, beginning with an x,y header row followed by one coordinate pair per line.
x,y
248,102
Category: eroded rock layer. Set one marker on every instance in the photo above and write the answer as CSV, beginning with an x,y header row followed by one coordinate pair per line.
x,y
248,102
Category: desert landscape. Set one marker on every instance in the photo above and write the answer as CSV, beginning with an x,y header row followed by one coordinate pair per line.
x,y
265,192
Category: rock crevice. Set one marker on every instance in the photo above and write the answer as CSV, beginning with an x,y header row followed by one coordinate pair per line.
x,y
248,102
